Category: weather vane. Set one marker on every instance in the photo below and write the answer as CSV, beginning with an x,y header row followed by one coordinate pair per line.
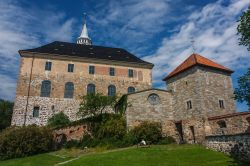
x,y
193,44
84,17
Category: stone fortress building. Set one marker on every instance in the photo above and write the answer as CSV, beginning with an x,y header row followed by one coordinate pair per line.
x,y
54,76
197,102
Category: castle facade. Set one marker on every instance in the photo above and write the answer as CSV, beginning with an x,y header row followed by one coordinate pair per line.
x,y
53,77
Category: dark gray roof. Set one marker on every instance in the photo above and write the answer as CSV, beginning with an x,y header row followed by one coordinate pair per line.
x,y
88,51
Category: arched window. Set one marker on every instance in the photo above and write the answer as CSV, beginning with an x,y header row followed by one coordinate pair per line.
x,y
91,89
222,124
131,89
111,90
69,90
45,88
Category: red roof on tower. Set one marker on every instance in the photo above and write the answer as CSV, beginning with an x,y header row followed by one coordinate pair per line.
x,y
194,60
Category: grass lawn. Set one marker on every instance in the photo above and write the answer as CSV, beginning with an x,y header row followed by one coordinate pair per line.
x,y
169,155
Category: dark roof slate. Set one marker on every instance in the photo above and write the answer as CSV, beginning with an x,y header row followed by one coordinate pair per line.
x,y
87,51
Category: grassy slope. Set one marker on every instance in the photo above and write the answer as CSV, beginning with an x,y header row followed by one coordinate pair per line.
x,y
159,155
172,155
42,159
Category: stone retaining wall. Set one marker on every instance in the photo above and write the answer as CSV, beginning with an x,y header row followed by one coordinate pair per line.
x,y
235,145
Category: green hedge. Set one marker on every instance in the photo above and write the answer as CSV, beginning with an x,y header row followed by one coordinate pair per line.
x,y
25,141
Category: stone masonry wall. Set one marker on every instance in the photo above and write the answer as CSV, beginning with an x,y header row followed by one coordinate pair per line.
x,y
141,110
236,145
216,85
235,124
185,87
204,87
48,107
169,128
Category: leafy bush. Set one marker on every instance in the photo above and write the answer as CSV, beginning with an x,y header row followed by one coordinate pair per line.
x,y
109,131
112,128
25,141
149,131
58,120
93,104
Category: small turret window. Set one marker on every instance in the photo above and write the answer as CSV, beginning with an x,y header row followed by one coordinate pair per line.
x,y
221,104
189,104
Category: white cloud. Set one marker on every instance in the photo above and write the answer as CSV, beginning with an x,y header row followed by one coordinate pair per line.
x,y
214,29
22,28
130,23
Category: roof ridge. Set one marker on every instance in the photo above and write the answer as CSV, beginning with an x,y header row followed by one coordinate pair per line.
x,y
196,59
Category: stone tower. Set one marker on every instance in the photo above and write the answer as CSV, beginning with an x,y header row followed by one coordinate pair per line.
x,y
201,88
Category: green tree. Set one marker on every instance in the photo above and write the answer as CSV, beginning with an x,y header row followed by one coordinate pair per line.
x,y
58,120
244,29
6,109
242,93
94,104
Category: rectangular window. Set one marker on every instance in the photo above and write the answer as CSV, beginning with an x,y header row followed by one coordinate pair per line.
x,y
91,69
111,71
48,66
71,68
189,105
130,73
36,112
221,104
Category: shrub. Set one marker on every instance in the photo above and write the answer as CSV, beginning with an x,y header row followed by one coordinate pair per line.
x,y
149,131
25,141
112,128
58,120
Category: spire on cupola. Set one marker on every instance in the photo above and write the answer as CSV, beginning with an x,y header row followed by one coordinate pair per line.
x,y
84,38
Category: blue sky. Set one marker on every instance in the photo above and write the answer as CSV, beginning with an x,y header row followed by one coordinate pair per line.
x,y
158,31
